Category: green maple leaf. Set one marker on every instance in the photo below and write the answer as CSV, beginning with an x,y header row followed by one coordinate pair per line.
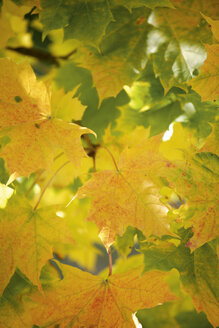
x,y
82,20
198,272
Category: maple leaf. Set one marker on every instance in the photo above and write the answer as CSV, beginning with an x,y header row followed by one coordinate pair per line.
x,y
84,300
31,236
122,55
83,20
26,118
206,83
194,177
174,44
198,272
196,181
129,195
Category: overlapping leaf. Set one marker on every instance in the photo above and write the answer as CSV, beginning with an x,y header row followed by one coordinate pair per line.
x,y
206,83
129,195
26,118
198,273
194,176
209,8
83,20
122,52
175,45
30,236
82,299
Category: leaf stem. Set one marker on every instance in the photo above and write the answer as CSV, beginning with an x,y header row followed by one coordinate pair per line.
x,y
48,183
110,261
114,162
33,183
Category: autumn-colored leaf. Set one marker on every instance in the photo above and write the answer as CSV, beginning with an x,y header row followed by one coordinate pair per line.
x,y
206,83
26,118
84,300
129,195
31,235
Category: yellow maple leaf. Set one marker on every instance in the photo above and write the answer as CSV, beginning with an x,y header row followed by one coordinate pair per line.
x,y
84,300
129,195
26,118
207,82
31,236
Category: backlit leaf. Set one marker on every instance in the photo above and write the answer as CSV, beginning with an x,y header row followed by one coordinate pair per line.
x,y
91,301
122,52
31,235
35,135
128,196
176,51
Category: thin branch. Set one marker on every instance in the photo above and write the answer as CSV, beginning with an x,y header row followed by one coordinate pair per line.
x,y
41,54
117,169
48,183
34,182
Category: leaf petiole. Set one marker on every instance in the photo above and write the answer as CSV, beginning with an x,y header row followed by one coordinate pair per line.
x,y
48,183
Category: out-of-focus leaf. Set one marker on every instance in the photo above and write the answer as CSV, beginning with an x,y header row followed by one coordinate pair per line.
x,y
207,82
130,4
129,195
209,8
12,314
198,272
174,45
83,20
122,52
31,235
35,136
214,26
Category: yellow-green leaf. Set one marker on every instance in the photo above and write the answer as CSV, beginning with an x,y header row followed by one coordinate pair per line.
x,y
26,118
207,82
32,235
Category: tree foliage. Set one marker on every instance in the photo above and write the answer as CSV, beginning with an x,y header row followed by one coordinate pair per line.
x,y
109,145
